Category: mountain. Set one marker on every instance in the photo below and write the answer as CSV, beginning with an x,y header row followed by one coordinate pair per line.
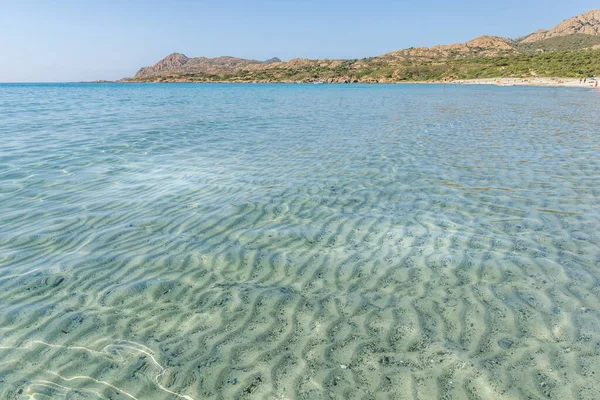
x,y
587,24
177,63
571,48
272,60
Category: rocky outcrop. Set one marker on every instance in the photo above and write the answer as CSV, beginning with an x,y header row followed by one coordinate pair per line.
x,y
490,43
174,61
179,64
487,46
587,24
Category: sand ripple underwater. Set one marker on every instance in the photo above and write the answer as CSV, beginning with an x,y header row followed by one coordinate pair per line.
x,y
299,242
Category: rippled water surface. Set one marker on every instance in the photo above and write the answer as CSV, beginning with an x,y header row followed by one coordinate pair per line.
x,y
299,242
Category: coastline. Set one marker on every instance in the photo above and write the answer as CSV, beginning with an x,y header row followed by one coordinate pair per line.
x,y
536,82
548,82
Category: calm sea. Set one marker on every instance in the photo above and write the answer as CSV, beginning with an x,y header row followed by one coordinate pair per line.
x,y
299,242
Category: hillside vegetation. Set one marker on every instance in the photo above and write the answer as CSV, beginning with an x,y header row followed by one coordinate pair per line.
x,y
571,49
582,63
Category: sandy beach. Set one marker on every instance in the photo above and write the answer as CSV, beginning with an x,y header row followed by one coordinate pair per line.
x,y
554,82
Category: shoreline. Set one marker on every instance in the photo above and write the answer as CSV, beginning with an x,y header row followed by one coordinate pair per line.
x,y
537,82
534,82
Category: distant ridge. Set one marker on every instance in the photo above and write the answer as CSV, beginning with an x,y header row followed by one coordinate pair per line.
x,y
484,56
180,64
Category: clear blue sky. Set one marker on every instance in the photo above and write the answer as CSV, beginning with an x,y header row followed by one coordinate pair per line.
x,y
72,40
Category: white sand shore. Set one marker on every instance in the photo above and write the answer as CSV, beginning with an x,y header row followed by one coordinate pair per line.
x,y
556,82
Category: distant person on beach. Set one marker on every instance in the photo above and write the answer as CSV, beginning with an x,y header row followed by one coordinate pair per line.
x,y
585,79
596,85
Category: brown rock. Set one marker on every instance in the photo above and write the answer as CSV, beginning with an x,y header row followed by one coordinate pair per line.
x,y
587,23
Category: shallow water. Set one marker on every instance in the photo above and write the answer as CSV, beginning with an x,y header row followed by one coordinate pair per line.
x,y
299,242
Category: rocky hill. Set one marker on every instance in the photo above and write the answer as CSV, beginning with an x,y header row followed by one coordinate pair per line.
x,y
177,63
536,54
489,46
586,24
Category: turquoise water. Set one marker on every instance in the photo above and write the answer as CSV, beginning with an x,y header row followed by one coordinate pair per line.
x,y
299,242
